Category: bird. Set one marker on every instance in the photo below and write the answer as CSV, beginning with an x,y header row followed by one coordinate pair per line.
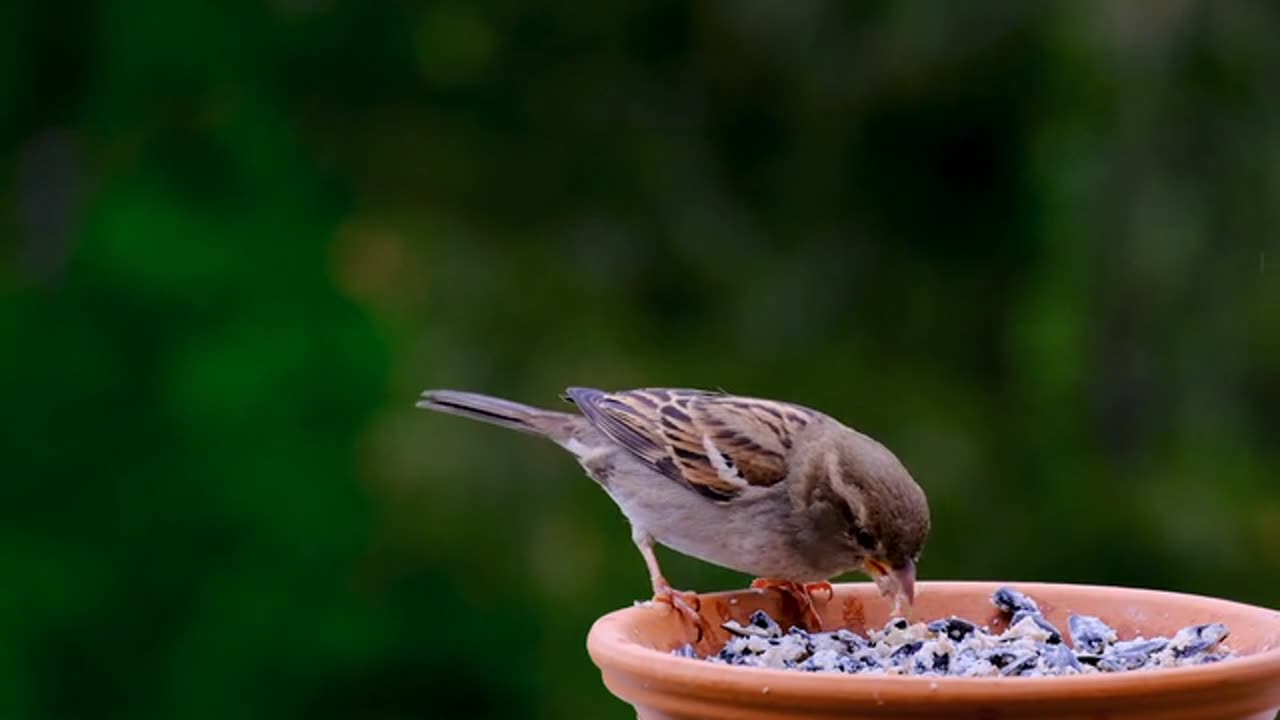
x,y
772,489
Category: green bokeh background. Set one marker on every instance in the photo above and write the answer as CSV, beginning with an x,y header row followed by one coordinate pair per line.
x,y
1032,247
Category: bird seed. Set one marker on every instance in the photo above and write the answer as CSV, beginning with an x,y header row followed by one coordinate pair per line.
x,y
1030,647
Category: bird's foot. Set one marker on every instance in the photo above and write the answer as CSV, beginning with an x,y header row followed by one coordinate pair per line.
x,y
823,587
688,604
802,593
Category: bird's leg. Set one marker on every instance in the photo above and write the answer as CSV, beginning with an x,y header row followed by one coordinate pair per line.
x,y
802,593
686,603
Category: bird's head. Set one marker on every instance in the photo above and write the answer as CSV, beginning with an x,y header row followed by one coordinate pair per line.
x,y
883,513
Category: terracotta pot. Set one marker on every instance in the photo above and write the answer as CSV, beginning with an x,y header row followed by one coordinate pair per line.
x,y
632,648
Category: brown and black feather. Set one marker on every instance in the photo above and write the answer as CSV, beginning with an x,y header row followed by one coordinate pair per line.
x,y
685,434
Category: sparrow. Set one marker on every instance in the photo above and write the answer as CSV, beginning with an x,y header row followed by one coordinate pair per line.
x,y
772,489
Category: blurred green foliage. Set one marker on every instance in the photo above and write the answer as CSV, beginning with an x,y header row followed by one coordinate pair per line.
x,y
1029,246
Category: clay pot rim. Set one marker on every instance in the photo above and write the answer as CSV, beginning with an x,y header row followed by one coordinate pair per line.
x,y
610,645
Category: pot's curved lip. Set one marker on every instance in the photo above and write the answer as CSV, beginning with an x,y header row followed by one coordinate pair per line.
x,y
612,647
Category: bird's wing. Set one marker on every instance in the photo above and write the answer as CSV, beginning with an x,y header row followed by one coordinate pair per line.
x,y
714,443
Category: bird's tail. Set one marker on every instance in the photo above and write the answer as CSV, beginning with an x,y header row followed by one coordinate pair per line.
x,y
497,411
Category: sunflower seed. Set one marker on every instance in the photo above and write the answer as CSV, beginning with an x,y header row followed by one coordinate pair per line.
x,y
955,647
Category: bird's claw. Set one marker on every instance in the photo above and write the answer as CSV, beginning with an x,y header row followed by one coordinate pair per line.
x,y
802,593
823,587
688,604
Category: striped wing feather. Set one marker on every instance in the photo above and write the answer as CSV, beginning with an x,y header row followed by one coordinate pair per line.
x,y
715,444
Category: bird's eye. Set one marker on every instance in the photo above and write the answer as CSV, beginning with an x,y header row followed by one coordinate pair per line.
x,y
862,537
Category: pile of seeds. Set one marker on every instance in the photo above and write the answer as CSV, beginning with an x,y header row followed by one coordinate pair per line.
x,y
1031,646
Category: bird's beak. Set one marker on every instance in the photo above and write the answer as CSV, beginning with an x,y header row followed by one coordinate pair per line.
x,y
906,577
898,583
